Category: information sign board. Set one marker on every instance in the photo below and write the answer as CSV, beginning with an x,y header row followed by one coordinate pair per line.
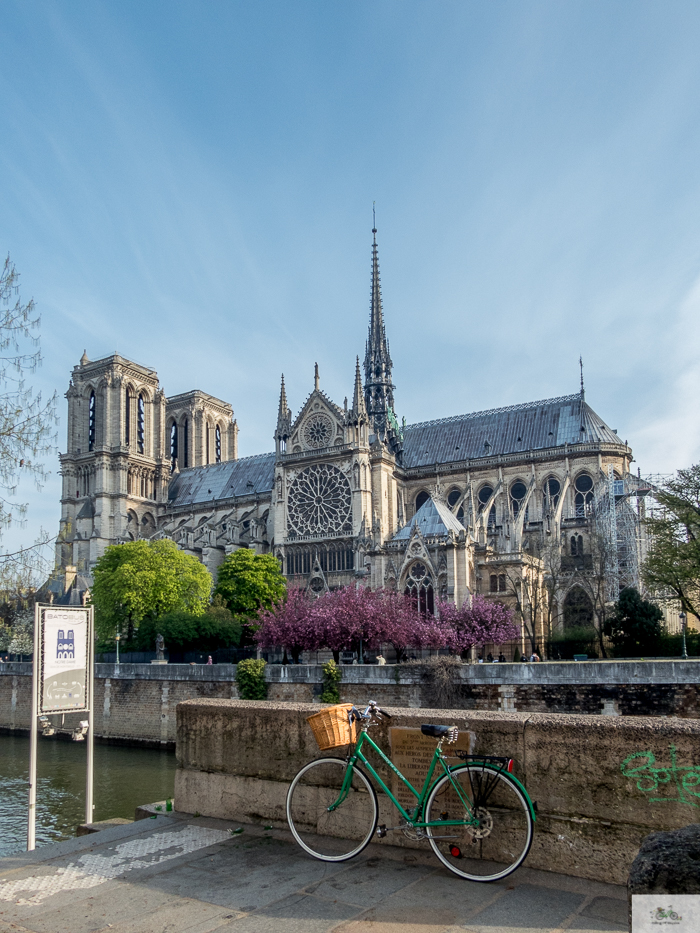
x,y
63,682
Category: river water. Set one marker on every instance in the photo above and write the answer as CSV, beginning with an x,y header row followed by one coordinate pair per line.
x,y
124,778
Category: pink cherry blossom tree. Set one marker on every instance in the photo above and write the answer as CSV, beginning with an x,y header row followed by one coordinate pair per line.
x,y
398,622
483,621
289,624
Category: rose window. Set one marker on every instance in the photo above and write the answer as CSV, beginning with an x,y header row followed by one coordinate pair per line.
x,y
320,501
318,431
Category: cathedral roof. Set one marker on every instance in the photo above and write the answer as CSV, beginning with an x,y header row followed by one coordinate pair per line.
x,y
222,480
434,519
530,426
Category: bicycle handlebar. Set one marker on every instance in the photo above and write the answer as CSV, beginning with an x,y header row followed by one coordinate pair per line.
x,y
371,710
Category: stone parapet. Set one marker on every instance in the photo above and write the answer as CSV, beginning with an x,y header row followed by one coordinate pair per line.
x,y
550,673
236,759
135,703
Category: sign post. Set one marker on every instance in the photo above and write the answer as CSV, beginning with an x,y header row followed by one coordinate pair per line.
x,y
63,677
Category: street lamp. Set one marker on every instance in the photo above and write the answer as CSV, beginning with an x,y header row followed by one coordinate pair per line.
x,y
684,619
117,638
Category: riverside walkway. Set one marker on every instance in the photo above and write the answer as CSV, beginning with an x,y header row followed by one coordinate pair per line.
x,y
176,873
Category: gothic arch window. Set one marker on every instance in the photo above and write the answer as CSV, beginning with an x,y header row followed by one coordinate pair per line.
x,y
578,609
483,497
518,491
218,444
185,444
132,524
419,586
91,421
576,545
497,583
127,416
551,493
141,424
148,525
421,499
452,499
173,445
583,495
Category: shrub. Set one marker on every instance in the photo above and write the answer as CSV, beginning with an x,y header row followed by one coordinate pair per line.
x,y
250,677
183,631
564,645
332,676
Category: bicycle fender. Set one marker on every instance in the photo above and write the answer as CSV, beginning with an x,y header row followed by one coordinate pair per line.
x,y
510,777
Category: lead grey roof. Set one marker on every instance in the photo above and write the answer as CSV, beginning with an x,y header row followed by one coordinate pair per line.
x,y
549,423
433,518
222,480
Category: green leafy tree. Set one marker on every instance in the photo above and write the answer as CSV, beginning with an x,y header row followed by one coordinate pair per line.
x,y
672,566
635,624
144,580
184,631
250,582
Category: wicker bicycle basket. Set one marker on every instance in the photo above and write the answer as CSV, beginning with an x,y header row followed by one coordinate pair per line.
x,y
332,727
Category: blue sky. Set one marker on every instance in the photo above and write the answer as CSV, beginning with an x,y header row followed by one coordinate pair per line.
x,y
191,184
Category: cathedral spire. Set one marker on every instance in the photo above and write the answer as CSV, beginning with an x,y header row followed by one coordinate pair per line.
x,y
284,420
282,413
359,409
379,391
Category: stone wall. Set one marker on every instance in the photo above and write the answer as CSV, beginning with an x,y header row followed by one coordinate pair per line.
x,y
236,759
135,703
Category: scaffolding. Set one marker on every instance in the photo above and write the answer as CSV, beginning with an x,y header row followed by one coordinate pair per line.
x,y
619,507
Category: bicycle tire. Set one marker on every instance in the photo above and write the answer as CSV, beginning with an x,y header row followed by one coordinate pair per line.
x,y
340,834
500,842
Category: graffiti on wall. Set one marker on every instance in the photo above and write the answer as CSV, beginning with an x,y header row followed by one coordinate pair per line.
x,y
671,783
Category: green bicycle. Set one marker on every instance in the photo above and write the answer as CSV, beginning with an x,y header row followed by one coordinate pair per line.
x,y
477,816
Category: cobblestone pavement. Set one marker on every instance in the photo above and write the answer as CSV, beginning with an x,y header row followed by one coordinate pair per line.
x,y
177,874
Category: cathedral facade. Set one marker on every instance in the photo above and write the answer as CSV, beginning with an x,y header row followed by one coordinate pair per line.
x,y
445,508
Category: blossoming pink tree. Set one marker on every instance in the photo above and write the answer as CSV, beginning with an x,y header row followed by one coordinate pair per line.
x,y
481,622
289,624
398,622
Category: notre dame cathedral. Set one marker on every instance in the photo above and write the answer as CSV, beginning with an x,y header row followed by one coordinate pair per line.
x,y
447,507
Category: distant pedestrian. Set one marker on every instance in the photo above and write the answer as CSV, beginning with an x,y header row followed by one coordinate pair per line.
x,y
489,658
502,658
534,656
209,660
381,659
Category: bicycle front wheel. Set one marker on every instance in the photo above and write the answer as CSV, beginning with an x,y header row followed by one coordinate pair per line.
x,y
496,835
325,826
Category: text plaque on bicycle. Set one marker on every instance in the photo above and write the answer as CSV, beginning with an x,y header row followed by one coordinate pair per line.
x,y
412,752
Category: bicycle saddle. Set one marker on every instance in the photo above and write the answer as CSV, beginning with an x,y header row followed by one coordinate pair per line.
x,y
436,732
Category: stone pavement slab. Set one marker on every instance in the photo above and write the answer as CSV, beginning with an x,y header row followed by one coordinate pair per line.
x,y
181,874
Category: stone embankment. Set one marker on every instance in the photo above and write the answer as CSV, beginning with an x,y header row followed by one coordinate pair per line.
x,y
601,784
135,703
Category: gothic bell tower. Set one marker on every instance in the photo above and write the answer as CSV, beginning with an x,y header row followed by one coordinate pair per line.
x,y
115,469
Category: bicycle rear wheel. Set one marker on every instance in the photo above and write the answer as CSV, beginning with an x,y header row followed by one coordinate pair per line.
x,y
496,836
338,834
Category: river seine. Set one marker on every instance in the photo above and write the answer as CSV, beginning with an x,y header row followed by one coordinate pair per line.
x,y
124,778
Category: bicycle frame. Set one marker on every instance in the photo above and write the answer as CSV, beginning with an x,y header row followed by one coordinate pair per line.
x,y
411,818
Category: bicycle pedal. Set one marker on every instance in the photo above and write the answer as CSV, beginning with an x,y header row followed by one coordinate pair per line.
x,y
381,831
